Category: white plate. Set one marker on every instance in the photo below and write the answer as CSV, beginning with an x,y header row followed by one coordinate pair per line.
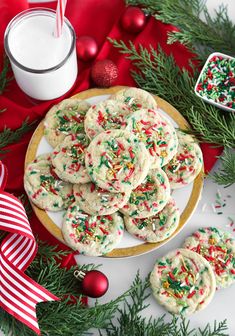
x,y
186,198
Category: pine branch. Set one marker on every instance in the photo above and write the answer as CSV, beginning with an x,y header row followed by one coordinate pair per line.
x,y
226,174
60,318
130,321
9,136
4,78
217,330
158,73
206,36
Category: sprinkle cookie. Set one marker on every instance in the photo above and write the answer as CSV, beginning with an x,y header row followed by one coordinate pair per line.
x,y
65,118
156,132
108,114
44,187
218,247
135,98
96,201
68,158
91,235
149,197
183,282
155,228
117,161
186,164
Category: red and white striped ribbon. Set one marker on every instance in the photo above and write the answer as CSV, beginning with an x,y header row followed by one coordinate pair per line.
x,y
60,9
18,293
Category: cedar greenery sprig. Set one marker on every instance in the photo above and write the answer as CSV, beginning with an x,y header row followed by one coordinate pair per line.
x,y
9,136
158,73
226,174
212,33
4,77
130,322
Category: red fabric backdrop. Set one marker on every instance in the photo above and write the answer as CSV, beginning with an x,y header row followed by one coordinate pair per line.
x,y
96,18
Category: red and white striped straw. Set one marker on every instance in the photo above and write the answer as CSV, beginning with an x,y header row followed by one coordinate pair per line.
x,y
61,5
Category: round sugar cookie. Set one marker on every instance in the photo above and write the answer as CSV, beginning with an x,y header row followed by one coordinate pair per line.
x,y
91,235
149,197
183,282
96,201
117,161
65,118
218,247
187,162
108,114
135,98
156,132
155,228
68,158
43,186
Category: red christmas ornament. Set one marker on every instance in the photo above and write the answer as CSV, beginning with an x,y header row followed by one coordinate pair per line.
x,y
94,283
86,48
104,73
133,19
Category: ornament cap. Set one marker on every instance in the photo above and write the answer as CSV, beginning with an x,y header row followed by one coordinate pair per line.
x,y
79,274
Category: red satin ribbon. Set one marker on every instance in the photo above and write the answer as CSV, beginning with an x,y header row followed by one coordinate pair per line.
x,y
18,293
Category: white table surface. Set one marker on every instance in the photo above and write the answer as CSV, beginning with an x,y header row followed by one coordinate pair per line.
x,y
121,272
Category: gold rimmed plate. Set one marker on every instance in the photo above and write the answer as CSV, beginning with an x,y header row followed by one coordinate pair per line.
x,y
187,198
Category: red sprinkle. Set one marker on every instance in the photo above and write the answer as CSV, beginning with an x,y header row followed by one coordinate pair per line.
x,y
103,230
144,122
187,281
66,118
151,151
53,190
131,171
76,119
148,131
147,206
100,118
92,187
132,155
120,145
220,249
191,294
53,173
171,275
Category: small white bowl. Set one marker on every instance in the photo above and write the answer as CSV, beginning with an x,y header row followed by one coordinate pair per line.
x,y
208,100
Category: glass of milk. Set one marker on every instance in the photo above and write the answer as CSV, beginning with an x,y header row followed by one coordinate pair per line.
x,y
45,67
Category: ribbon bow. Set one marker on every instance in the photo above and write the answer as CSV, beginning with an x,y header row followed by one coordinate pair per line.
x,y
18,293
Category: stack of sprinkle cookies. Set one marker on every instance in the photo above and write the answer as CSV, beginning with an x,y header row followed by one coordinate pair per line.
x,y
113,166
184,281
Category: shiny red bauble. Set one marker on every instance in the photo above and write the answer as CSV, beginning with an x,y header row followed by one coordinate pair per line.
x,y
87,48
133,20
104,73
95,284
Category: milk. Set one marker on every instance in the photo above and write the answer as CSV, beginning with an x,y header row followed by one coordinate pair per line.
x,y
45,67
